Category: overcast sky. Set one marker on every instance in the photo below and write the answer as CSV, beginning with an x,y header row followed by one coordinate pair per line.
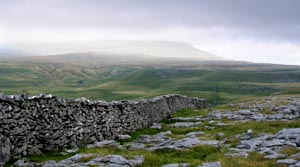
x,y
251,30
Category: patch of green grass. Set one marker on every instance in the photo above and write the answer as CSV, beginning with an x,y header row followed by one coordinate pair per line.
x,y
257,127
289,150
191,113
195,156
53,155
254,160
147,131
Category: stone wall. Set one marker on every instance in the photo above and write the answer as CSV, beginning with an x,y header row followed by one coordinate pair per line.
x,y
30,125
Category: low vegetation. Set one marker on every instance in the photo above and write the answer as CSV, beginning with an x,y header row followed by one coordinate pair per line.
x,y
219,84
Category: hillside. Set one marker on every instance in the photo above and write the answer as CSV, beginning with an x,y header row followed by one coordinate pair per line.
x,y
233,80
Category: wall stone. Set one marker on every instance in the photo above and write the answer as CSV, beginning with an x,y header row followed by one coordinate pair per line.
x,y
31,125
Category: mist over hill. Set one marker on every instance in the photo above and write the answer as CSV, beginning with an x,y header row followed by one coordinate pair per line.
x,y
121,47
6,52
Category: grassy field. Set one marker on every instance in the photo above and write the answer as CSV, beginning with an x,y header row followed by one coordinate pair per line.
x,y
233,82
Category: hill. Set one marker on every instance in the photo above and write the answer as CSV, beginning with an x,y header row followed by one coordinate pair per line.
x,y
72,77
141,48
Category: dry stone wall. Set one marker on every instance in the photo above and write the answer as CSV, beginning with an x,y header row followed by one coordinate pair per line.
x,y
31,125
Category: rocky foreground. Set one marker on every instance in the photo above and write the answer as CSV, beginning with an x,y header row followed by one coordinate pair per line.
x,y
255,133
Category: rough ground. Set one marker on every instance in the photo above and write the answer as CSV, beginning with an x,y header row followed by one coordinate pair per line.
x,y
265,132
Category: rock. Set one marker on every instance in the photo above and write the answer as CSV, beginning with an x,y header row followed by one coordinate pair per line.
x,y
104,143
156,126
137,146
74,150
286,161
250,131
124,137
297,164
22,163
5,152
154,139
211,164
115,161
292,133
138,160
177,145
177,165
272,143
244,112
210,142
187,119
297,141
186,143
194,134
275,156
171,165
220,135
76,158
184,124
238,154
295,156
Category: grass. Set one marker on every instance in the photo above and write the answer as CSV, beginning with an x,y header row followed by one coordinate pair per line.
x,y
52,155
195,156
116,83
191,113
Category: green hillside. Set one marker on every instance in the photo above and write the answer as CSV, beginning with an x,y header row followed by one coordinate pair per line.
x,y
234,81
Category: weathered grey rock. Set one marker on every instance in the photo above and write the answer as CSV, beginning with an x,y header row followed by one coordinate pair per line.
x,y
177,165
195,134
250,131
75,159
78,161
154,139
211,164
295,156
286,161
156,126
245,112
115,161
238,154
292,134
187,119
104,143
23,163
297,164
124,137
74,150
184,124
275,156
273,143
137,146
220,135
184,144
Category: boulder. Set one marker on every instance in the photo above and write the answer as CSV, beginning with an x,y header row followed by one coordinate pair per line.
x,y
211,164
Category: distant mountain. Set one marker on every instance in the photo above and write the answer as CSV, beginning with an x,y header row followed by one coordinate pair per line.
x,y
10,53
110,59
137,48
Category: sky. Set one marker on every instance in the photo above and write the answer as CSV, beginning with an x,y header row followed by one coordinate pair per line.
x,y
250,30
